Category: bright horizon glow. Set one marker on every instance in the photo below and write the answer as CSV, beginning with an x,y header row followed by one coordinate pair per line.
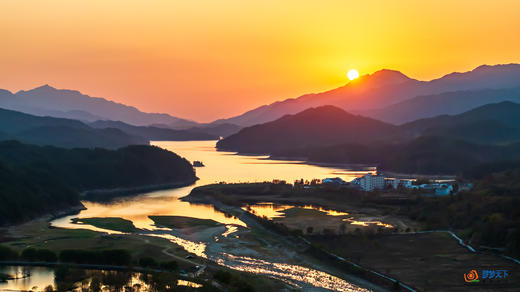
x,y
205,59
352,74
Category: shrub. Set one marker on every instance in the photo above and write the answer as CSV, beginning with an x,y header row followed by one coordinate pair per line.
x,y
147,262
7,253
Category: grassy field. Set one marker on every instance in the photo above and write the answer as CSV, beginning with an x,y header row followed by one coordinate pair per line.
x,y
110,223
179,222
380,207
317,221
38,234
429,262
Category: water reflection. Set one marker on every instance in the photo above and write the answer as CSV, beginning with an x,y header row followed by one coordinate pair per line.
x,y
219,167
40,278
197,248
292,274
367,222
272,210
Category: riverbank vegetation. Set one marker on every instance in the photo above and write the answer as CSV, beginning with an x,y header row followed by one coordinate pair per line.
x,y
37,180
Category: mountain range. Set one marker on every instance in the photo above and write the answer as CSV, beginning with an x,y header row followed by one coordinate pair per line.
x,y
386,95
60,132
152,133
443,143
48,101
325,125
393,97
71,133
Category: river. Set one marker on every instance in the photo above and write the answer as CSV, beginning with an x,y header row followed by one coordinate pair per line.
x,y
219,167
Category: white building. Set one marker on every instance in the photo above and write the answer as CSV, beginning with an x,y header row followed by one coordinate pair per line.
x,y
392,182
395,183
370,182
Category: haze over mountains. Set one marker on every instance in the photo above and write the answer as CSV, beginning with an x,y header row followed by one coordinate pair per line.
x,y
377,95
60,132
70,133
386,95
49,101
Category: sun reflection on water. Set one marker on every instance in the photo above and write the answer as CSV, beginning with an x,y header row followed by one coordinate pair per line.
x,y
272,210
288,272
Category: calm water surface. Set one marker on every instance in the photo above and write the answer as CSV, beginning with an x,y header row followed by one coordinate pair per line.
x,y
219,167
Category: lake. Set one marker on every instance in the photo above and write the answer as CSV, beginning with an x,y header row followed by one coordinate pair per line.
x,y
219,167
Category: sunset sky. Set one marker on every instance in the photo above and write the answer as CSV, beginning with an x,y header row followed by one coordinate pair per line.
x,y
210,59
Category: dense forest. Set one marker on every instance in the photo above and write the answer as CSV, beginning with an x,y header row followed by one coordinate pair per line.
x,y
488,215
36,180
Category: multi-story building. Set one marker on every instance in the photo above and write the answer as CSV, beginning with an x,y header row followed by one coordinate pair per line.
x,y
370,182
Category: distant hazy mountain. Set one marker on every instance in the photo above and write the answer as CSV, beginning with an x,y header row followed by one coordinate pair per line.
x,y
60,132
217,129
383,88
222,130
155,133
49,101
321,126
445,103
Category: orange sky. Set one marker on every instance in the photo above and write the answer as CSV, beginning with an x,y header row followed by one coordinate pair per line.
x,y
210,59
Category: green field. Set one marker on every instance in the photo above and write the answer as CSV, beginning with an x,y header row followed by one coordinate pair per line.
x,y
180,222
110,223
302,212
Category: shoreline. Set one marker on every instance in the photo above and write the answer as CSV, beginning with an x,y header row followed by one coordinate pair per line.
x,y
103,195
100,195
49,216
345,166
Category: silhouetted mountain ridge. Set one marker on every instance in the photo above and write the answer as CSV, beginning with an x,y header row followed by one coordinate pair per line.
x,y
155,133
373,95
325,125
49,101
60,132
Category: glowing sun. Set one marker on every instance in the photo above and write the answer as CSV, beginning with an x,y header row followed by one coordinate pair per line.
x,y
352,74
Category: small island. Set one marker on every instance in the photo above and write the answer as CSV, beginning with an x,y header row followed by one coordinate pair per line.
x,y
197,163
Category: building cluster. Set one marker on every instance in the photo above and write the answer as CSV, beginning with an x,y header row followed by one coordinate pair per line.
x,y
371,182
440,189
